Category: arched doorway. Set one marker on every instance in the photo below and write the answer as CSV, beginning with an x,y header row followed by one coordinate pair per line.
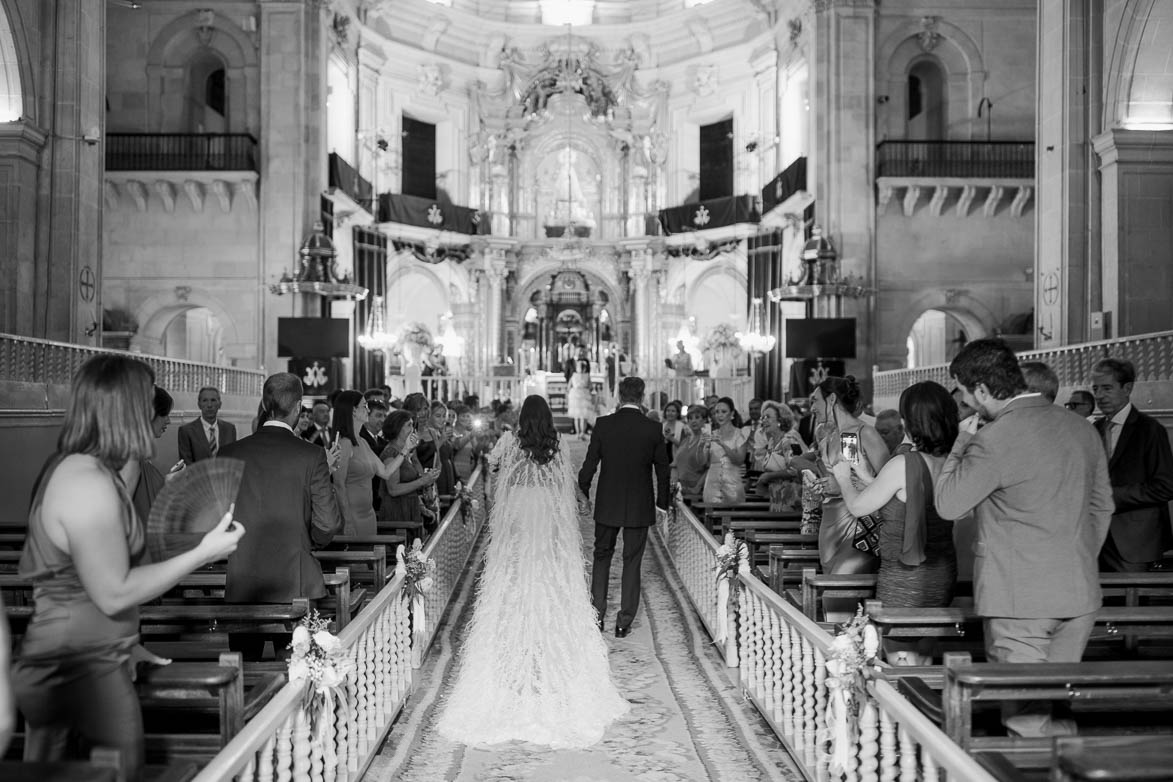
x,y
207,94
925,102
195,334
936,337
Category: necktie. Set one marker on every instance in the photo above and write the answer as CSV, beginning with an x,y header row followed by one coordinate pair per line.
x,y
213,442
1108,424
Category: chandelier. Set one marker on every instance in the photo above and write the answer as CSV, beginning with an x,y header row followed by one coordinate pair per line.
x,y
754,340
376,337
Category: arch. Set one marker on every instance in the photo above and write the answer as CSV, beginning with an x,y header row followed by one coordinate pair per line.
x,y
926,110
538,274
959,58
156,313
182,42
402,264
974,316
1133,48
16,67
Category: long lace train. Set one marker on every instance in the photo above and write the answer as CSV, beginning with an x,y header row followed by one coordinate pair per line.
x,y
533,666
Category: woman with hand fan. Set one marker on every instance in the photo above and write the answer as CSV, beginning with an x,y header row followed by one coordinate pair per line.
x,y
357,465
83,552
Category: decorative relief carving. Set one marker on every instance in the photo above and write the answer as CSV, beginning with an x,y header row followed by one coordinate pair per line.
x,y
704,80
430,79
205,25
195,194
341,28
928,36
795,26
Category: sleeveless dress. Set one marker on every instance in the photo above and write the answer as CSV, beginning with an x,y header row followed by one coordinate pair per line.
x,y
405,507
360,471
723,482
533,666
71,675
837,554
918,564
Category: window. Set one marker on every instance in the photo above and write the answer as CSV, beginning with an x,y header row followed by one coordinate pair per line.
x,y
926,101
419,158
10,95
717,160
214,94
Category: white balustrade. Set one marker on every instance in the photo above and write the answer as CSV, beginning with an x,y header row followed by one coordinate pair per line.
x,y
279,743
783,657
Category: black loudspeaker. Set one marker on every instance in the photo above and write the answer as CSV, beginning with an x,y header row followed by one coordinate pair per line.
x,y
320,337
820,338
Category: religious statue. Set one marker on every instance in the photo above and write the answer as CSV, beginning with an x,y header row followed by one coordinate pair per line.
x,y
570,206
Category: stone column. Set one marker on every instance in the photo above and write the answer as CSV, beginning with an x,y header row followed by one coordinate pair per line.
x,y
495,270
60,292
369,65
1136,178
1068,117
842,164
642,266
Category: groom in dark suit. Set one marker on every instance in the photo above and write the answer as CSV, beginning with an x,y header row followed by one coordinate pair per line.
x,y
291,506
629,445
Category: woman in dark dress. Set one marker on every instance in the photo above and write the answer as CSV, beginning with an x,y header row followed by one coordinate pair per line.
x,y
401,500
918,564
72,676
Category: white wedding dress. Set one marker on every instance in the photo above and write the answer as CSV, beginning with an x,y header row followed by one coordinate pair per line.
x,y
533,665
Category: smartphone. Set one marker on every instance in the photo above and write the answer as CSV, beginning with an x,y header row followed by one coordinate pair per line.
x,y
849,446
707,429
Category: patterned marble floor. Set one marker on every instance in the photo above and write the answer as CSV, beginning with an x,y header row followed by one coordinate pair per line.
x,y
688,721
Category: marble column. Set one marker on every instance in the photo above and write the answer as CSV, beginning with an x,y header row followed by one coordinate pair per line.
x,y
642,266
495,270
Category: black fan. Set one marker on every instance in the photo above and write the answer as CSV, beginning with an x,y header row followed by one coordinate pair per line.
x,y
191,504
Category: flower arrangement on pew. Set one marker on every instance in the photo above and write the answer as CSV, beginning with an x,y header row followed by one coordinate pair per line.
x,y
732,561
318,657
468,503
419,575
853,652
674,492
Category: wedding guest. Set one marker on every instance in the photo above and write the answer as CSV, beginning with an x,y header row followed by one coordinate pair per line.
x,y
204,437
918,564
1082,402
72,676
691,459
891,431
7,699
673,425
402,500
357,465
774,448
304,420
464,443
1140,468
834,403
372,432
728,450
754,410
318,433
1041,379
441,425
151,479
964,411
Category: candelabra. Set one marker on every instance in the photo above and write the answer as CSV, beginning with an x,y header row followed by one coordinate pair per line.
x,y
754,340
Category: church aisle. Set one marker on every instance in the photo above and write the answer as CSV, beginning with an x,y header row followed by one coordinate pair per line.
x,y
688,721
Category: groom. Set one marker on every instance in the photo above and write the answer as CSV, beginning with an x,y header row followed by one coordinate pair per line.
x,y
630,445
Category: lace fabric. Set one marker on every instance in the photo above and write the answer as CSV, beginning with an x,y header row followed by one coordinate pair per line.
x,y
533,665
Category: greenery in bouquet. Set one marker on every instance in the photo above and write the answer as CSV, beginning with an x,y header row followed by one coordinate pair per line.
x,y
318,657
468,503
853,653
722,337
416,334
419,571
732,560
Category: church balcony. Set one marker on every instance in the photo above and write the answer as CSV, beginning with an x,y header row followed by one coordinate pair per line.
x,y
181,152
1152,354
345,178
957,175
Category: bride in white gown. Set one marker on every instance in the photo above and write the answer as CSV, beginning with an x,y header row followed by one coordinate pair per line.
x,y
534,665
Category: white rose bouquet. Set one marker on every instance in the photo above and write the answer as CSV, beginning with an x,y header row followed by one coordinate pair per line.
x,y
419,575
732,561
318,657
853,652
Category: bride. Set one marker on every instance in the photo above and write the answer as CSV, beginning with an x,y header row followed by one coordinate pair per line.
x,y
534,666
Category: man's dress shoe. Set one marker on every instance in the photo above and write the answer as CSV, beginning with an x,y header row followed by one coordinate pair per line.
x,y
622,632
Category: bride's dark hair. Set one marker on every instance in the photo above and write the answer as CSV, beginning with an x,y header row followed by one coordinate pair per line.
x,y
536,434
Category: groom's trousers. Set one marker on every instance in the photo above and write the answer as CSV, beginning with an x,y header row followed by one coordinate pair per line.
x,y
634,540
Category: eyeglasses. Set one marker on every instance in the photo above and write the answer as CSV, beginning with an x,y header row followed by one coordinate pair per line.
x,y
1073,405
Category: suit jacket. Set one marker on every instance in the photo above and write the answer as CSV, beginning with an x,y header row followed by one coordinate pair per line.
x,y
193,442
630,446
287,505
1036,478
1141,471
377,444
316,436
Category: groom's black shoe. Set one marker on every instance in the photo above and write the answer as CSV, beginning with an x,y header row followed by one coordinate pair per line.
x,y
622,632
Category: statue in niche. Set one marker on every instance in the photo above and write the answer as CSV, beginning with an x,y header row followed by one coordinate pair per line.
x,y
511,63
626,88
431,79
704,80
570,205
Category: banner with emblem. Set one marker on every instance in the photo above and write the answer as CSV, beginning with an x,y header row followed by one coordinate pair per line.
x,y
713,213
807,373
319,376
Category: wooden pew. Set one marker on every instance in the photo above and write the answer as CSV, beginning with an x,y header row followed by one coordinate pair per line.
x,y
368,566
760,541
408,530
788,562
967,683
1112,759
104,765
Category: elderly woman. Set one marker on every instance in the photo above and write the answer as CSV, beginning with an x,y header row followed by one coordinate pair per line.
x,y
691,460
776,443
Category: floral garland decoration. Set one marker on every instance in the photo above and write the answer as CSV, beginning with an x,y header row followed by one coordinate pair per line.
x,y
318,657
723,336
732,561
674,492
853,652
468,503
419,575
416,333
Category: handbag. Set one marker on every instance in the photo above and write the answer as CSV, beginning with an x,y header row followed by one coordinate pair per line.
x,y
867,535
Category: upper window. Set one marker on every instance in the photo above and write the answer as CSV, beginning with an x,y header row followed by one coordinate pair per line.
x,y
573,12
926,104
419,158
10,94
716,144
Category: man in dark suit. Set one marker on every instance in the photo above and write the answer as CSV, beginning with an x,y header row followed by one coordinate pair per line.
x,y
629,445
1140,465
372,432
1036,479
204,437
289,501
319,430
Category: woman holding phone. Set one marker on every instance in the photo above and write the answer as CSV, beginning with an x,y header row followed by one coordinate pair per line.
x,y
728,450
843,437
401,492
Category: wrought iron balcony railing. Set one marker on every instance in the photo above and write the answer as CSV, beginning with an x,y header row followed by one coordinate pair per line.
x,y
181,152
977,159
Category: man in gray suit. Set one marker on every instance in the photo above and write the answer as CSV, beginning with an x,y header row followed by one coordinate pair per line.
x,y
1036,478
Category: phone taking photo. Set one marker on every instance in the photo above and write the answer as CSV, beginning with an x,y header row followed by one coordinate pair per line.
x,y
849,446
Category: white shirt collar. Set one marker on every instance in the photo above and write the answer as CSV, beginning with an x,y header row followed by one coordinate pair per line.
x,y
632,406
208,425
1122,414
278,424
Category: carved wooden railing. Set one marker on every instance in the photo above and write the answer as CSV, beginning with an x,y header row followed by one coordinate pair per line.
x,y
44,362
1152,354
783,658
279,743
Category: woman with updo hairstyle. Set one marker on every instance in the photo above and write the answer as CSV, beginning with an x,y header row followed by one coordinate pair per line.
x,y
918,563
358,465
728,451
401,492
835,403
690,462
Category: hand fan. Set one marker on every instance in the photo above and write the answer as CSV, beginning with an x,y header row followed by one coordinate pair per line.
x,y
190,504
